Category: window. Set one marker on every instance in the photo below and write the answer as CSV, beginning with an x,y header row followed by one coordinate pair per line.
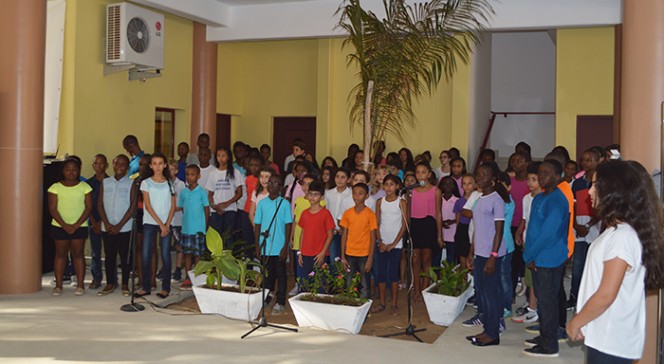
x,y
164,131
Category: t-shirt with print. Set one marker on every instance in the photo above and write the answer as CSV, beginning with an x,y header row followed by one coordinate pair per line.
x,y
223,186
265,210
301,204
314,227
488,209
71,201
359,226
193,203
160,199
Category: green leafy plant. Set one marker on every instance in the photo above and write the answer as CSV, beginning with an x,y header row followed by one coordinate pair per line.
x,y
450,280
333,283
403,56
222,262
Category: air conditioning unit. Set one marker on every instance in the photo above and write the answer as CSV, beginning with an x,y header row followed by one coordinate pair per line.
x,y
135,36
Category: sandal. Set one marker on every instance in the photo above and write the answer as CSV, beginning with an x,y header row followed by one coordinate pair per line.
x,y
395,311
79,291
125,290
57,291
110,288
163,294
377,309
141,293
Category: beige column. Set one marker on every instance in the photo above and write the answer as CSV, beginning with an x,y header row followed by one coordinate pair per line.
x,y
204,88
23,46
642,92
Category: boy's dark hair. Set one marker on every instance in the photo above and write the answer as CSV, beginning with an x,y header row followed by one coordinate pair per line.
x,y
393,178
185,143
265,146
576,165
557,167
129,139
533,167
317,186
344,171
299,143
362,186
594,152
309,176
203,135
123,156
193,167
562,150
488,152
364,173
558,157
99,155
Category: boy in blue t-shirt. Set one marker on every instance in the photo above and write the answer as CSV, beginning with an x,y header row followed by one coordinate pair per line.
x,y
273,221
196,208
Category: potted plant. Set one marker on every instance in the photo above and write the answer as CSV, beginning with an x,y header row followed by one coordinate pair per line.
x,y
329,302
230,242
240,301
446,298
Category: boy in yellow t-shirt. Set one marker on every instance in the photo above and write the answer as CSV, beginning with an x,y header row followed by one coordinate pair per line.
x,y
358,237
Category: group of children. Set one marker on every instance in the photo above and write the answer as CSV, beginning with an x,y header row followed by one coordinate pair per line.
x,y
495,223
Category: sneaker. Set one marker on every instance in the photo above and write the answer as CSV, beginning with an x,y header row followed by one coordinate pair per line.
x,y
520,289
533,329
473,321
177,275
79,291
562,335
278,309
526,317
471,301
94,284
531,343
501,326
539,352
56,291
507,313
295,291
186,285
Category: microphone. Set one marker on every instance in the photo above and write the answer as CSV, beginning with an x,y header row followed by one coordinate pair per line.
x,y
418,184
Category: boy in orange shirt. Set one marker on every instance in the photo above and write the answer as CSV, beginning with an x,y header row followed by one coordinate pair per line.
x,y
358,237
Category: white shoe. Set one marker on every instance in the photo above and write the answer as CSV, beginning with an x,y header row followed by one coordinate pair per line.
x,y
529,316
295,291
278,309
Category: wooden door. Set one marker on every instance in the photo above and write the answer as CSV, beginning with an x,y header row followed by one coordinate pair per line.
x,y
592,130
223,136
286,129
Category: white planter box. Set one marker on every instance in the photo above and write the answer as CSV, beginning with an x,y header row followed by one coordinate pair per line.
x,y
328,316
200,280
235,305
443,310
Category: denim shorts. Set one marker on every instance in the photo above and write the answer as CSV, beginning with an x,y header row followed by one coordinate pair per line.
x,y
193,244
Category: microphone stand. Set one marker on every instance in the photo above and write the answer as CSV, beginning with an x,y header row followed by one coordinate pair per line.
x,y
262,322
133,306
410,328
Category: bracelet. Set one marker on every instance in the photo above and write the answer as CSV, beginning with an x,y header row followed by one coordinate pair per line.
x,y
494,254
299,252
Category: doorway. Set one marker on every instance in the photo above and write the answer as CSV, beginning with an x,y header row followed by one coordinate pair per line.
x,y
223,135
592,130
286,129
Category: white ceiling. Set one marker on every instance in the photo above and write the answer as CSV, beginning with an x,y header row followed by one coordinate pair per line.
x,y
239,20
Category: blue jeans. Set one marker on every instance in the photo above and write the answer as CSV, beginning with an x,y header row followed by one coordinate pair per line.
x,y
95,253
450,253
335,248
490,294
547,290
578,262
243,224
149,234
357,265
594,356
506,281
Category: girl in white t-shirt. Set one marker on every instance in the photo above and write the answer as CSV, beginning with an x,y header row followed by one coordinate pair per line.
x,y
224,186
159,204
261,190
624,261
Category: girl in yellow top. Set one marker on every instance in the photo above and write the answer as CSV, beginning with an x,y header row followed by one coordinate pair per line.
x,y
70,204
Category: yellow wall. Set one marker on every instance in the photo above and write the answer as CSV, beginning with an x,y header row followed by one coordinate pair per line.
x,y
584,79
97,110
260,80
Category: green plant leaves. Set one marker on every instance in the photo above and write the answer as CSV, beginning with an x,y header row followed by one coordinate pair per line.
x,y
214,242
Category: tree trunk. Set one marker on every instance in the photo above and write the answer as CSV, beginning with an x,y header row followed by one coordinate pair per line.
x,y
368,129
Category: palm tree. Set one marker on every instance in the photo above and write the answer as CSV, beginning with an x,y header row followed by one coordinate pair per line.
x,y
404,56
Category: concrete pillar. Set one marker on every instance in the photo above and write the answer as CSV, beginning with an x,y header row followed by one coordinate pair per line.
x,y
204,88
642,93
23,45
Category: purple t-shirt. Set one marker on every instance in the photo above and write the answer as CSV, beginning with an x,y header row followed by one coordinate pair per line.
x,y
519,189
458,206
487,211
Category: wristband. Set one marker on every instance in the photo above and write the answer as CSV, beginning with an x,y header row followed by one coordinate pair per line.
x,y
494,254
299,252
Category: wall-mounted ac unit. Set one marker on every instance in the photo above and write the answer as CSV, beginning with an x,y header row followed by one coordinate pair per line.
x,y
134,36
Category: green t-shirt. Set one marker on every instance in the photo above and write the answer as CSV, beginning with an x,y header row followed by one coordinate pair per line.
x,y
71,201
